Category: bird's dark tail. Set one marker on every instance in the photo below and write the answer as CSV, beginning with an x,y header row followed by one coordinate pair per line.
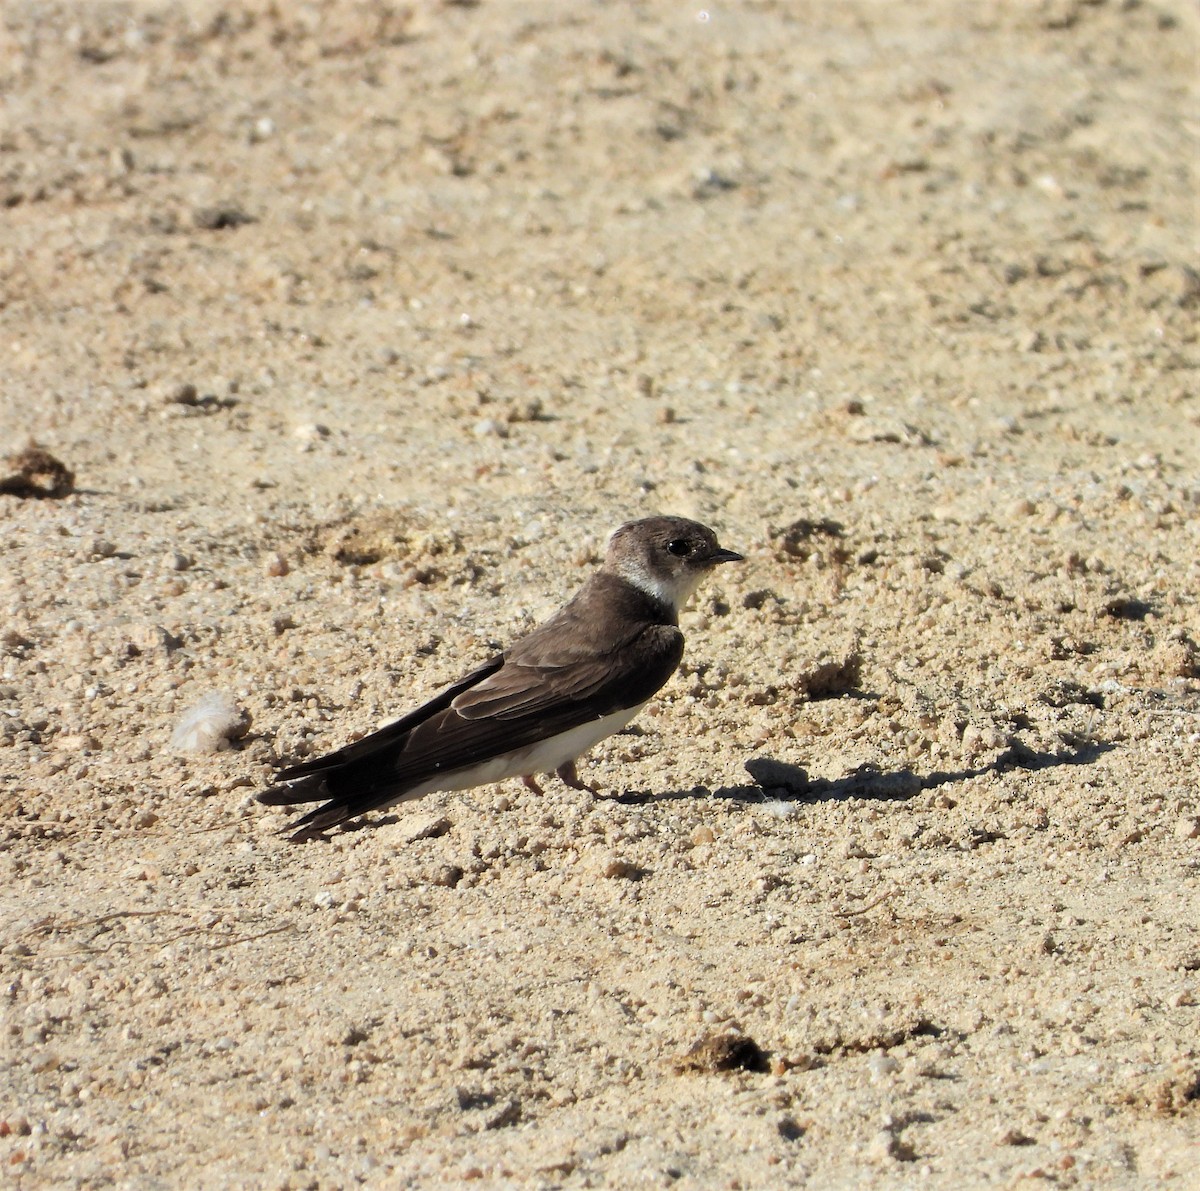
x,y
362,776
294,792
319,820
312,788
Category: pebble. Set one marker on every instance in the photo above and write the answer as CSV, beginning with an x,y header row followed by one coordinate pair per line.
x,y
182,393
150,637
77,743
310,432
618,868
1014,1137
97,548
1187,828
447,876
221,217
490,428
881,1065
418,827
885,1146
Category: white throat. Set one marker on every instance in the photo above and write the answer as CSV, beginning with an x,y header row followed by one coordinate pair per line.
x,y
674,592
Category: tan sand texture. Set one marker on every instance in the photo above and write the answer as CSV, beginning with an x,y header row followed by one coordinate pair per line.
x,y
350,330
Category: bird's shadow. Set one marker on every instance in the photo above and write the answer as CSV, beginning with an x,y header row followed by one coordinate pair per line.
x,y
784,782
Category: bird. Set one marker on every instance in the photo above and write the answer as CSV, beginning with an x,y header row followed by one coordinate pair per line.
x,y
535,708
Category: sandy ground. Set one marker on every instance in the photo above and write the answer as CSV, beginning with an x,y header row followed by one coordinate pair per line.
x,y
360,325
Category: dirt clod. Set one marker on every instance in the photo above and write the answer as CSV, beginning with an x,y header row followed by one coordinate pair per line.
x,y
34,472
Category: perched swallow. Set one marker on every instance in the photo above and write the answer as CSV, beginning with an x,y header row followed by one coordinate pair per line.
x,y
578,677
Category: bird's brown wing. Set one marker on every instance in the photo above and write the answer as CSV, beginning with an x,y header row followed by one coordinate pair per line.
x,y
545,687
368,746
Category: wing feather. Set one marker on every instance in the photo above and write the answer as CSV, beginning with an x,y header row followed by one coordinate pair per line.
x,y
608,650
380,740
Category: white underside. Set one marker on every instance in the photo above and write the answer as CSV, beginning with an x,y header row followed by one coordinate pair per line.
x,y
543,757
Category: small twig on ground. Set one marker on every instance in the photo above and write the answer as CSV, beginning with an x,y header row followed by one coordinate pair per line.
x,y
863,909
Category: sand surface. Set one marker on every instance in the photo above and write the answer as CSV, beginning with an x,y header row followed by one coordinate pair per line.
x,y
360,325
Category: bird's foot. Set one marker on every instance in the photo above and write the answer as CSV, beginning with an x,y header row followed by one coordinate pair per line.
x,y
568,774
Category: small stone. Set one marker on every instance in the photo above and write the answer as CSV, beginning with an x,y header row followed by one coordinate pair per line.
x,y
531,410
324,899
219,218
276,566
145,819
1187,828
503,1116
885,1146
702,835
882,1065
146,638
618,868
34,472
310,432
447,876
724,1051
77,743
175,560
490,428
183,393
1014,1137
417,827
773,774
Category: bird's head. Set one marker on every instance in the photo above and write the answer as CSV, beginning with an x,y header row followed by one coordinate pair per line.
x,y
666,557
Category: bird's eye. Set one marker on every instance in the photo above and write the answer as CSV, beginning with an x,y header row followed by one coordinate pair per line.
x,y
680,547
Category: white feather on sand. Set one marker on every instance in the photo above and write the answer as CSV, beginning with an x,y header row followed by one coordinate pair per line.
x,y
210,724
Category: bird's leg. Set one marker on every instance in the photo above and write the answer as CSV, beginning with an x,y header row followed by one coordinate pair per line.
x,y
531,783
567,773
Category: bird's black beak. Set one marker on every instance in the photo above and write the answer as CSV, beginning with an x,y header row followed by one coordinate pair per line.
x,y
723,555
